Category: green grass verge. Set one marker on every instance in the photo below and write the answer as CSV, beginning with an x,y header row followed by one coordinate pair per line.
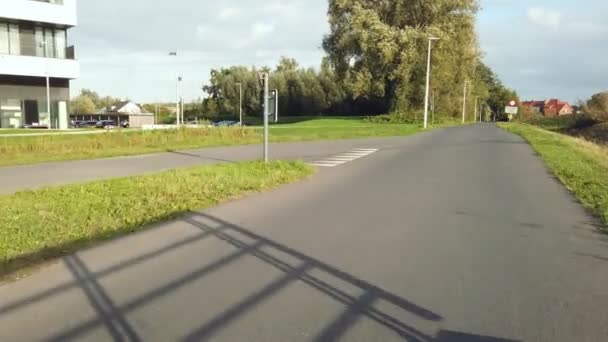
x,y
10,131
582,166
29,150
45,224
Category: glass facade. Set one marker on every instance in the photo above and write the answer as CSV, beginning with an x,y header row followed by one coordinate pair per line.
x,y
28,39
16,113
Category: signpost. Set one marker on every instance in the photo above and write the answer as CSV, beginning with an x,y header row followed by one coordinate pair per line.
x,y
512,109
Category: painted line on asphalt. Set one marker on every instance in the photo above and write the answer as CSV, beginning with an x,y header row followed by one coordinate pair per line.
x,y
344,158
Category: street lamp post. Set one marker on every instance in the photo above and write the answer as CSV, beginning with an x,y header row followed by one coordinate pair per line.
x,y
48,82
476,99
177,99
240,103
428,83
464,102
265,79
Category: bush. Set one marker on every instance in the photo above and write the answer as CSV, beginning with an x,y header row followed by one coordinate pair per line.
x,y
396,118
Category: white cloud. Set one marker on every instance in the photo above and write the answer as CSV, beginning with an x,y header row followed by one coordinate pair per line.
x,y
229,13
260,29
546,18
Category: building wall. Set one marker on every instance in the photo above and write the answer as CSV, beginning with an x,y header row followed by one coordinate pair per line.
x,y
37,67
567,110
138,121
61,12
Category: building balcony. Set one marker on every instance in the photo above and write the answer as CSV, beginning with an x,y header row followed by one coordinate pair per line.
x,y
17,65
55,12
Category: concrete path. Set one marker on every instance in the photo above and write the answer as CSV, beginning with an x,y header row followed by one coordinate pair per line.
x,y
459,235
16,178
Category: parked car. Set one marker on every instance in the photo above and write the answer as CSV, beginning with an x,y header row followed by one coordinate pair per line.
x,y
226,123
85,124
106,124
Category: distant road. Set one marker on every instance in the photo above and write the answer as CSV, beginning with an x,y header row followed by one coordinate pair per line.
x,y
457,235
15,178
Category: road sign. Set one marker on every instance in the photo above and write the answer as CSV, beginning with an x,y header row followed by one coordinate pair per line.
x,y
511,110
512,103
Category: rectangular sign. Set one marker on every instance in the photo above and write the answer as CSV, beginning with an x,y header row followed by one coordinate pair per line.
x,y
511,110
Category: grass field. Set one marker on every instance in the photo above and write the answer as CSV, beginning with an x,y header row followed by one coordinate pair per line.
x,y
9,131
581,165
28,150
40,225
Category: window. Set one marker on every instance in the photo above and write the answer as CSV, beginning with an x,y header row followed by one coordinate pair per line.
x,y
33,40
60,43
4,47
14,39
27,39
49,43
39,33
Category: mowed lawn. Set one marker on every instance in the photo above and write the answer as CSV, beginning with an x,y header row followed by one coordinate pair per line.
x,y
581,165
37,149
39,225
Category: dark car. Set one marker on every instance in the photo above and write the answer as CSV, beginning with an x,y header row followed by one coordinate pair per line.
x,y
107,124
85,124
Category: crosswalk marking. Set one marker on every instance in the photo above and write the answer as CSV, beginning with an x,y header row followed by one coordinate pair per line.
x,y
344,158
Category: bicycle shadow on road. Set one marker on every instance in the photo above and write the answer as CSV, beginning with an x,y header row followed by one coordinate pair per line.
x,y
114,318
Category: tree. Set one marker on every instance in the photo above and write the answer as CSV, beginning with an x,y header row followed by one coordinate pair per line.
x,y
82,104
597,107
379,48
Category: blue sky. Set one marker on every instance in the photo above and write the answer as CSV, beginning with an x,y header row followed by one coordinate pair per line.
x,y
540,48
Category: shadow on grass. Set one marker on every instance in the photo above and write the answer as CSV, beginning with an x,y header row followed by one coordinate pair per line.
x,y
293,265
23,264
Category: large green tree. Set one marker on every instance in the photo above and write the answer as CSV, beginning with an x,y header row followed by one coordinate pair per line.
x,y
379,48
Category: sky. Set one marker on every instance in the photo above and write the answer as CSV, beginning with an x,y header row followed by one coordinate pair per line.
x,y
540,48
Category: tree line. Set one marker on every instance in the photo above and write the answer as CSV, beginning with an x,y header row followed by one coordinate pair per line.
x,y
376,55
375,63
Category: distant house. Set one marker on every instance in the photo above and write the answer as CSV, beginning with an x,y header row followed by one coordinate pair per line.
x,y
124,111
556,108
550,108
123,107
537,106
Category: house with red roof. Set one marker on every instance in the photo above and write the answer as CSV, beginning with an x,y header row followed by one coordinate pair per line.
x,y
550,108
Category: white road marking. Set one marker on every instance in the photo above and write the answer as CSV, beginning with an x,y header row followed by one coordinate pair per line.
x,y
344,158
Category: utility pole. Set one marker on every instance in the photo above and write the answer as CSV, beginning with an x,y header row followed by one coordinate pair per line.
x,y
464,103
433,108
182,110
476,99
48,83
179,79
240,103
265,78
428,83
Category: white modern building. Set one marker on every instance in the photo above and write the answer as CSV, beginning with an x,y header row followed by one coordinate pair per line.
x,y
36,62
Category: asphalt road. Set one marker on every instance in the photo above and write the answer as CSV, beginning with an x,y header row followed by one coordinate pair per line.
x,y
457,235
17,178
